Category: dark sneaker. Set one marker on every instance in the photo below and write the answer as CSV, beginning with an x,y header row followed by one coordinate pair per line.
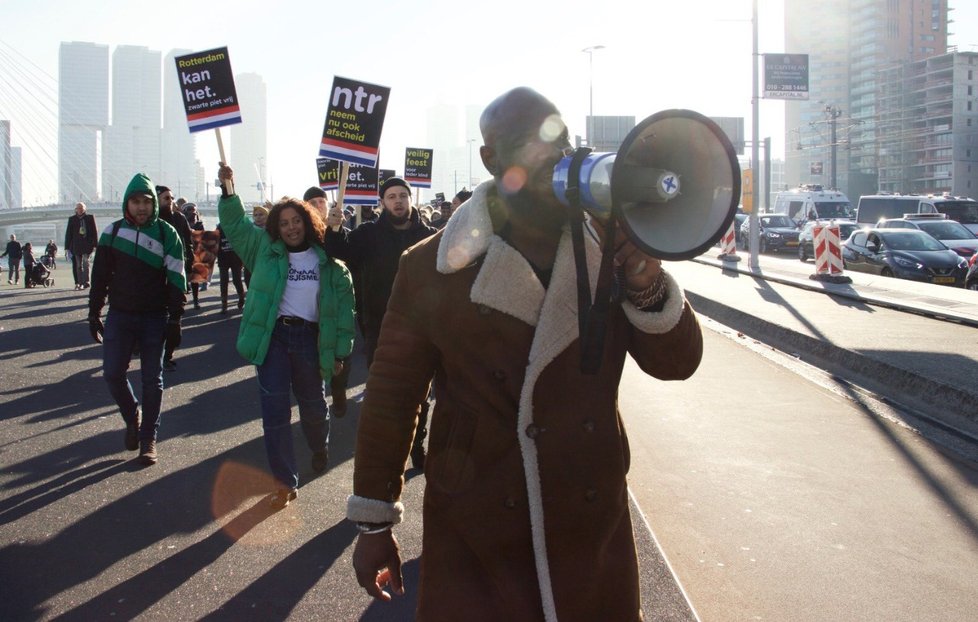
x,y
169,365
417,457
319,461
132,433
282,497
147,452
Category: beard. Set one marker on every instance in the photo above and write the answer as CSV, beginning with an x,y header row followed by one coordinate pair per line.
x,y
537,205
397,221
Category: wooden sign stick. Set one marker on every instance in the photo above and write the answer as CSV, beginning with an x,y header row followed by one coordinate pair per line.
x,y
344,173
224,160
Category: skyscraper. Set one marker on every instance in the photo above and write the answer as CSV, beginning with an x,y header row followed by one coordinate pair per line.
x,y
16,178
849,42
249,139
132,142
179,156
6,191
83,114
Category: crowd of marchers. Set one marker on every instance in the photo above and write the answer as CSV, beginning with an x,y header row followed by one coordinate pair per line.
x,y
467,309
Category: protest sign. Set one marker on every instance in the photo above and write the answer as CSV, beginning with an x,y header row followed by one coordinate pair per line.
x,y
329,173
417,167
354,121
384,174
361,186
361,181
207,89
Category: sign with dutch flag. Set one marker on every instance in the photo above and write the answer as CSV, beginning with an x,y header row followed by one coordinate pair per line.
x,y
207,88
417,166
329,173
354,121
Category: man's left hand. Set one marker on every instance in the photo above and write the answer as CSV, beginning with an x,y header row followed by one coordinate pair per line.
x,y
640,269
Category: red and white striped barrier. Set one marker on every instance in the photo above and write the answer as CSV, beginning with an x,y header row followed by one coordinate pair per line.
x,y
828,252
728,244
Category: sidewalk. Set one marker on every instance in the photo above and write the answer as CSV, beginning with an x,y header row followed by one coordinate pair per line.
x,y
875,332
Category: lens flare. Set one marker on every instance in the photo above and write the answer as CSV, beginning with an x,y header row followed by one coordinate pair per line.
x,y
552,128
514,179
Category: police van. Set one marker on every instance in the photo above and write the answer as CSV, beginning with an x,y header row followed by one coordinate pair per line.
x,y
873,208
812,202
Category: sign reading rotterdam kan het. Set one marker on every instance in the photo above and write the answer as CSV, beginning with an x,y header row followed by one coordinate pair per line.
x,y
786,76
354,121
207,88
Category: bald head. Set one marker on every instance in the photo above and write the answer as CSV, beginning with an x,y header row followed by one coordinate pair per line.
x,y
516,114
524,138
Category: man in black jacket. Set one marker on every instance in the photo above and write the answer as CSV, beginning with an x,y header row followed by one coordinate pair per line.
x,y
80,241
374,249
13,253
178,221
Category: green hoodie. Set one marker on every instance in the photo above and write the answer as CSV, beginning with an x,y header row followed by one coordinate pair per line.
x,y
140,268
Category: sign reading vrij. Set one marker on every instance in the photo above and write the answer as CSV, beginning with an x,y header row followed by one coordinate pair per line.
x,y
354,120
207,88
329,173
361,181
786,76
417,167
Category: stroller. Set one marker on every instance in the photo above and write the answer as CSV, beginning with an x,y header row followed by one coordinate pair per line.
x,y
41,275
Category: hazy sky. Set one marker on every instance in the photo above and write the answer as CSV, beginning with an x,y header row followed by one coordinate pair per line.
x,y
687,54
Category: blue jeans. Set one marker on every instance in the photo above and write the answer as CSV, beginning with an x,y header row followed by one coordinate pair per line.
x,y
292,364
123,330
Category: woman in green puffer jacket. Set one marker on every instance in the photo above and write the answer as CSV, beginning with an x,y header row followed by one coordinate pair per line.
x,y
297,326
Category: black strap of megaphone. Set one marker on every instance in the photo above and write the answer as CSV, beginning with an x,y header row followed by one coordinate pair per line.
x,y
592,340
592,318
576,216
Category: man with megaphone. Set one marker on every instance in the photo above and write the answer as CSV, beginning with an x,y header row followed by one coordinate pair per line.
x,y
526,504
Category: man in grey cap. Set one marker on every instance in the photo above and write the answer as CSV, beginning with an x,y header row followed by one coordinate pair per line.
x,y
374,249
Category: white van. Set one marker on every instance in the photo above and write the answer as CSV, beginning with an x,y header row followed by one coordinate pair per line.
x,y
873,208
811,202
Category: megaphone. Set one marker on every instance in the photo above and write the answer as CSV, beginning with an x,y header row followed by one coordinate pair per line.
x,y
673,186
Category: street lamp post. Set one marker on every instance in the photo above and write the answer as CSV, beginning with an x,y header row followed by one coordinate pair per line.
x,y
471,142
590,50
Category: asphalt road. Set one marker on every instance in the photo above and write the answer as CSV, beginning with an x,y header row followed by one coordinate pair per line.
x,y
86,533
774,492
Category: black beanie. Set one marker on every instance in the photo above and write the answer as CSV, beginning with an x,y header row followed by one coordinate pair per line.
x,y
390,182
313,193
161,189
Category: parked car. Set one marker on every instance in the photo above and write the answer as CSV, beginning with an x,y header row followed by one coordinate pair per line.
x,y
950,233
806,239
739,219
971,281
904,254
777,232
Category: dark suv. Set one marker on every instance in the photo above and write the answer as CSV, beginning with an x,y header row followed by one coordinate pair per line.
x,y
777,232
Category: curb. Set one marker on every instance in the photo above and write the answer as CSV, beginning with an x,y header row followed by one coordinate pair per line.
x,y
948,404
844,290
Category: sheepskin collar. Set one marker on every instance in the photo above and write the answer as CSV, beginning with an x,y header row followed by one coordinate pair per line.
x,y
506,282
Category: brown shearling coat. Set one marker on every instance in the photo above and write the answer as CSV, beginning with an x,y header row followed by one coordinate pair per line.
x,y
526,503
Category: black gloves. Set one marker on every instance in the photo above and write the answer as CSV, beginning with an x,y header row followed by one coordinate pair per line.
x,y
172,335
96,328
